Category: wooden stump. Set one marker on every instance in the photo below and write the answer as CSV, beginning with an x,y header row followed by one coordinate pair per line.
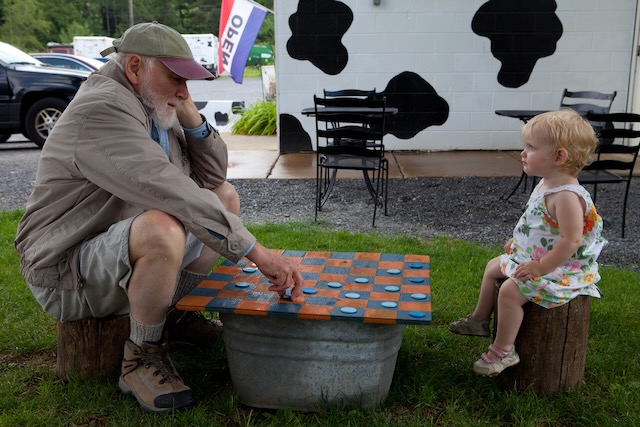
x,y
91,347
552,344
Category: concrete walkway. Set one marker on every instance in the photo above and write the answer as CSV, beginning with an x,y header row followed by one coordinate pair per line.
x,y
258,157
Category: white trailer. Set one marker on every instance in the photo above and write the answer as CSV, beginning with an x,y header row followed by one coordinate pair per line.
x,y
91,46
204,48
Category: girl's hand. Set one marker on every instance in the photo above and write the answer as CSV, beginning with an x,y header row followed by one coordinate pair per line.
x,y
507,246
528,271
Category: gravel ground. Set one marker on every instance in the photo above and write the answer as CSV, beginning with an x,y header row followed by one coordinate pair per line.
x,y
467,208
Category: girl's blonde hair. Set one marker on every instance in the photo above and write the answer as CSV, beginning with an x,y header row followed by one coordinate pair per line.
x,y
565,129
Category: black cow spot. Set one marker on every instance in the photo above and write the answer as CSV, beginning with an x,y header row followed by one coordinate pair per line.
x,y
521,32
221,118
293,137
317,28
419,105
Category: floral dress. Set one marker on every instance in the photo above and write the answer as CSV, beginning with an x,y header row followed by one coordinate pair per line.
x,y
536,233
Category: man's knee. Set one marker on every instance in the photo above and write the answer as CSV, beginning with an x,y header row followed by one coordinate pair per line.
x,y
229,197
157,231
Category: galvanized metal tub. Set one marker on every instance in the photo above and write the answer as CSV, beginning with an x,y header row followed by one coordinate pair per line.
x,y
303,364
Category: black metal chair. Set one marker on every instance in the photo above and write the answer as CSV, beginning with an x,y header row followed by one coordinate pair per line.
x,y
584,102
616,154
356,144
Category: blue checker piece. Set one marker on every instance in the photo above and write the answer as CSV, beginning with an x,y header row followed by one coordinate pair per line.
x,y
359,279
379,288
387,305
362,294
338,314
407,297
406,317
233,286
416,265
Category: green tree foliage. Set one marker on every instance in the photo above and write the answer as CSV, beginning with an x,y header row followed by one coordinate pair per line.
x,y
73,29
25,24
64,17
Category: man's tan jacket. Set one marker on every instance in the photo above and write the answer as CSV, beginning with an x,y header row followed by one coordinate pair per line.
x,y
100,165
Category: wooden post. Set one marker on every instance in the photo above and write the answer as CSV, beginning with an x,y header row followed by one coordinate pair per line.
x,y
552,344
91,347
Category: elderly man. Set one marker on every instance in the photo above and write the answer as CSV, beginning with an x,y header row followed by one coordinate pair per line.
x,y
131,208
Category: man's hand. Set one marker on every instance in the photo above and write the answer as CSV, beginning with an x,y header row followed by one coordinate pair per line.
x,y
281,272
188,114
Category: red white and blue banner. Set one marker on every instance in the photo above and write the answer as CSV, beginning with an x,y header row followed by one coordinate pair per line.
x,y
240,22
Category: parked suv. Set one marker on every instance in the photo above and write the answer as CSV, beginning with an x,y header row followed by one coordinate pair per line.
x,y
33,95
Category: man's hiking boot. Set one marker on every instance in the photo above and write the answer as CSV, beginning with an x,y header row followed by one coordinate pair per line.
x,y
191,327
149,375
470,326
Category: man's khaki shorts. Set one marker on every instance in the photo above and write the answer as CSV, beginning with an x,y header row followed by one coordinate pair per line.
x,y
105,271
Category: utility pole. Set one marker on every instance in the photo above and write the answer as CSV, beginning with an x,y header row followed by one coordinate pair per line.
x,y
130,13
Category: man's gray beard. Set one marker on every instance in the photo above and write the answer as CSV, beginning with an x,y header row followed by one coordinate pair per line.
x,y
150,100
166,121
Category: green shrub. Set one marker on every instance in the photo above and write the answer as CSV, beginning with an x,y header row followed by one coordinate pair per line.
x,y
258,119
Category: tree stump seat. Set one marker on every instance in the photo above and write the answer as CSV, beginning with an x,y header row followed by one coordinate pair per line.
x,y
92,347
552,344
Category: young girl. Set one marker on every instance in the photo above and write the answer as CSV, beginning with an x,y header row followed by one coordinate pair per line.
x,y
551,257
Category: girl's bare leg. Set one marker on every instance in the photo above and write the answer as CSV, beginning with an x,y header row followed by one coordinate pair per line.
x,y
510,314
484,306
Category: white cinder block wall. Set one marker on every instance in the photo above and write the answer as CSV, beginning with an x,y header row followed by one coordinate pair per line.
x,y
434,39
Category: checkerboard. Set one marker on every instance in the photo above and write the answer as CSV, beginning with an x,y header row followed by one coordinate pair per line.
x,y
353,286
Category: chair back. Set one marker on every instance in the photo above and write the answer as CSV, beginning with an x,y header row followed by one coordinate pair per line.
x,y
349,93
588,101
360,122
618,138
616,154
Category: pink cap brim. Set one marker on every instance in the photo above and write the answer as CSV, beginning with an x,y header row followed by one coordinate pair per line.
x,y
187,68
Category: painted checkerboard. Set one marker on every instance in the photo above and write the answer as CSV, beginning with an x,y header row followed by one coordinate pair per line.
x,y
357,286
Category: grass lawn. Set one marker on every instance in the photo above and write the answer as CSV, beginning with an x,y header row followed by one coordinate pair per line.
x,y
433,383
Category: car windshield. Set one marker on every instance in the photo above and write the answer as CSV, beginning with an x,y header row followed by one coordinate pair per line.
x,y
12,55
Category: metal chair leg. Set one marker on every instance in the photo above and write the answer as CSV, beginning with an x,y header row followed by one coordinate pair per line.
x,y
522,177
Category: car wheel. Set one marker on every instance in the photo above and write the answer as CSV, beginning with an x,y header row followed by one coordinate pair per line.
x,y
41,118
4,137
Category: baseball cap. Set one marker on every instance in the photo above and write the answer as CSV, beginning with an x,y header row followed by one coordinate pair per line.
x,y
166,44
